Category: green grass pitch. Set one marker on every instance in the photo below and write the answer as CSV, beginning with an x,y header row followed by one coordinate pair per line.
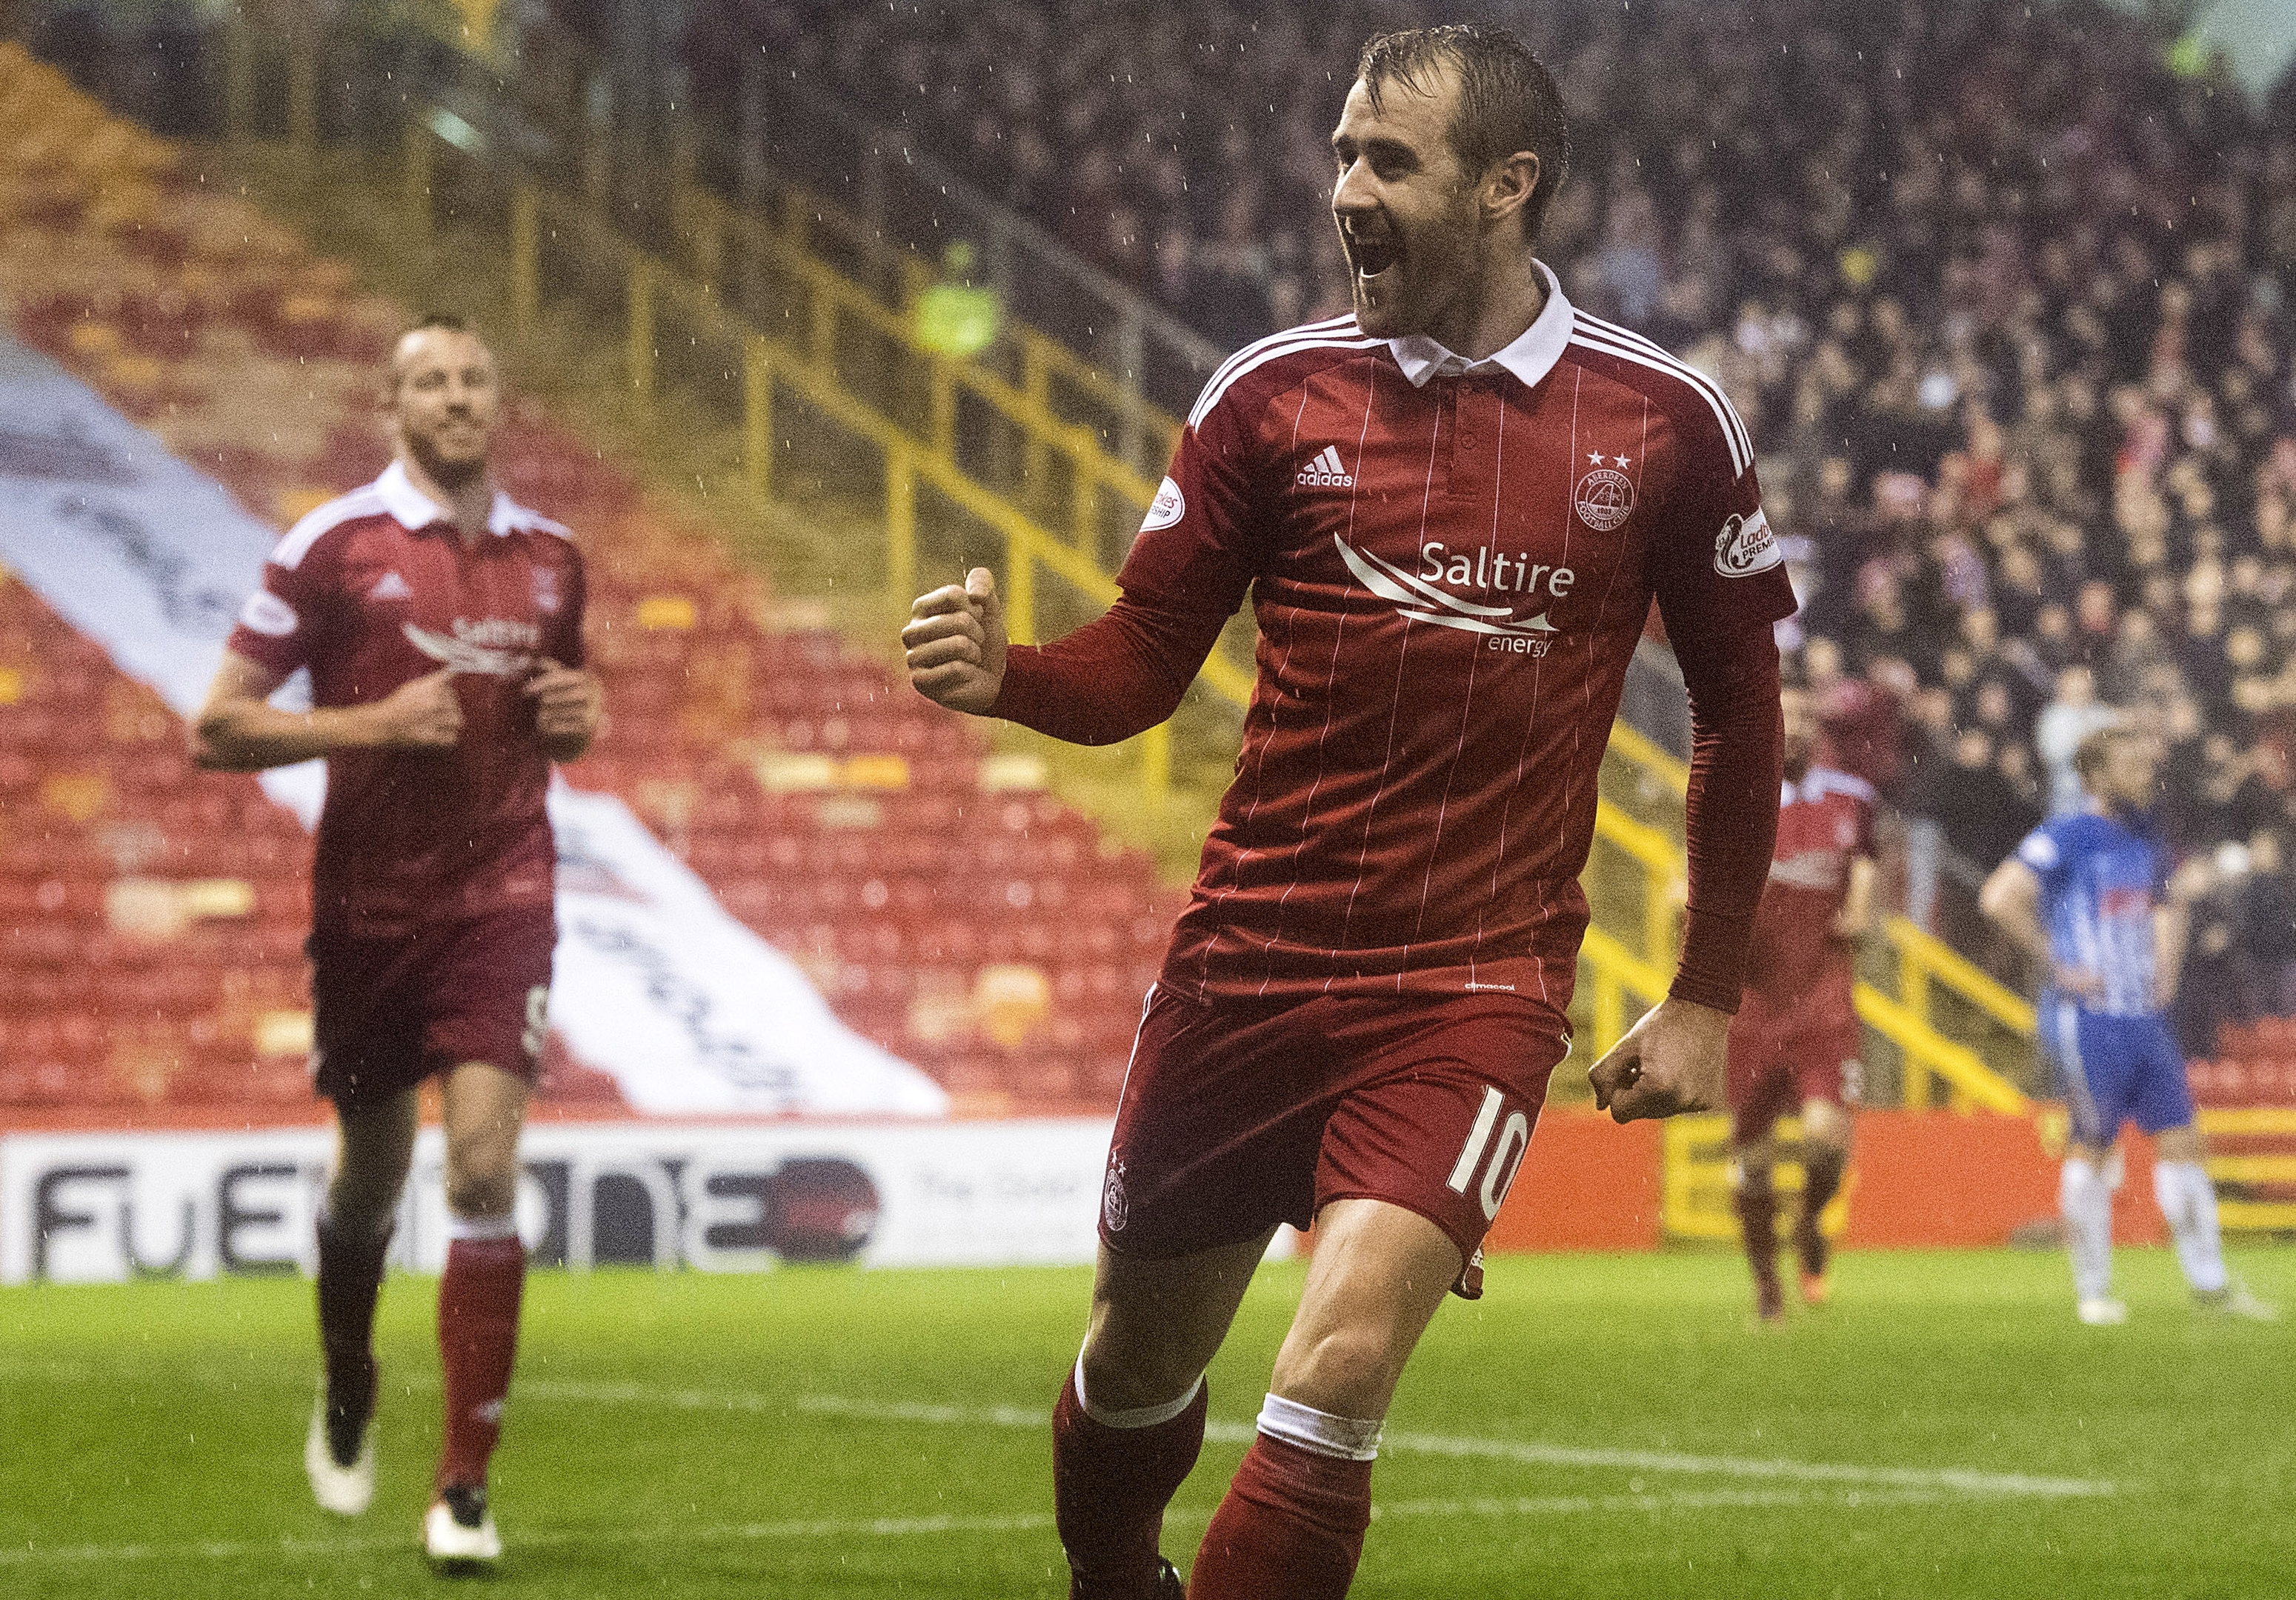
x,y
1597,1426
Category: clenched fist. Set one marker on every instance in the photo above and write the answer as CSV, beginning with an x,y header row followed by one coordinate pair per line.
x,y
955,638
1671,1062
425,714
569,704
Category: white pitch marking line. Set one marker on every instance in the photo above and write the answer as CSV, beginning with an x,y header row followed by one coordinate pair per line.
x,y
1955,1480
922,1527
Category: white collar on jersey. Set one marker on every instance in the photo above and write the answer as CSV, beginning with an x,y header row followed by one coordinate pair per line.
x,y
1531,358
416,510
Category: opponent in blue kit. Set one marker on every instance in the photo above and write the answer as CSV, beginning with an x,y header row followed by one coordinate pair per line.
x,y
2088,895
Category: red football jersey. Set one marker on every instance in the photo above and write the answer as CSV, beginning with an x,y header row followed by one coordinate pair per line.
x,y
1826,822
376,589
1451,563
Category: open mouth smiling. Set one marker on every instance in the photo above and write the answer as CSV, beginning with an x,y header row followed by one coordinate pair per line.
x,y
1372,254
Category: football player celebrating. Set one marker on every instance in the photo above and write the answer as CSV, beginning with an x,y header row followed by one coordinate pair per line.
x,y
1794,1043
441,625
1451,510
2088,896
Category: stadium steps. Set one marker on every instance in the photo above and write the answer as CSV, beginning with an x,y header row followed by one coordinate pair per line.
x,y
948,908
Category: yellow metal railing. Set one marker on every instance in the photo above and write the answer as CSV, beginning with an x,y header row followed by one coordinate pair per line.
x,y
1065,402
709,227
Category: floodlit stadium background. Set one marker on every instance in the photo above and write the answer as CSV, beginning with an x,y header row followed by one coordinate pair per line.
x,y
809,307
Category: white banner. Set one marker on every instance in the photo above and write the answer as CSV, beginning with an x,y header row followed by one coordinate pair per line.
x,y
656,983
109,1207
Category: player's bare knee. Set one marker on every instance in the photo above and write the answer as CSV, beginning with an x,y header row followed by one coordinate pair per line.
x,y
1128,1365
1348,1371
485,1187
1824,1129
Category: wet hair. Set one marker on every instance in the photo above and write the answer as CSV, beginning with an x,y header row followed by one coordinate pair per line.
x,y
429,322
1507,100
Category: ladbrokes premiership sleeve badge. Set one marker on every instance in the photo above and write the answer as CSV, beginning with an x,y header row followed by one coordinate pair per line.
x,y
1745,545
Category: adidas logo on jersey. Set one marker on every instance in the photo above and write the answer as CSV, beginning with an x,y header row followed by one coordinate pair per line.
x,y
1326,472
390,587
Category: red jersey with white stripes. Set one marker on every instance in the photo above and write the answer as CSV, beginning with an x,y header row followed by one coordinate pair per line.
x,y
1825,823
371,592
1451,563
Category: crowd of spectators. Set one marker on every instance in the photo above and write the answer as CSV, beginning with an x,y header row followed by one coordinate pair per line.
x,y
2002,290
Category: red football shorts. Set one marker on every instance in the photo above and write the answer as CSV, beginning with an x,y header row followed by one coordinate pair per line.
x,y
1238,1116
389,1013
1782,1057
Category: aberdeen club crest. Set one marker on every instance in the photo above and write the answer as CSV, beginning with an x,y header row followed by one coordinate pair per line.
x,y
1605,495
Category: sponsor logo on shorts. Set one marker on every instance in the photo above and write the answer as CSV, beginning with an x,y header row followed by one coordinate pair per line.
x,y
1115,1209
1605,495
266,614
1746,545
1168,507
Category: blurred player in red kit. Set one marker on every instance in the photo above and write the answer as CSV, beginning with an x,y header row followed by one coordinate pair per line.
x,y
441,625
1794,1044
1451,511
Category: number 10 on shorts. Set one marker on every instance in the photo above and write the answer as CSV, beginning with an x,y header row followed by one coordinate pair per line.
x,y
1506,1158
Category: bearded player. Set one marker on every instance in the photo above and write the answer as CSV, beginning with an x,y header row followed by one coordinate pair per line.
x,y
441,625
1451,510
1794,1044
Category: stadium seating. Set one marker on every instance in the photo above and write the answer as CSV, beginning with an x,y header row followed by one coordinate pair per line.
x,y
154,915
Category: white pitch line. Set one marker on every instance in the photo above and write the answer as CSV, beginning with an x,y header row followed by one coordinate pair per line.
x,y
1961,1481
225,1550
1958,1479
728,1533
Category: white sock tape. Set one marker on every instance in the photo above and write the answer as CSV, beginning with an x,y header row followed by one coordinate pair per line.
x,y
1319,1431
1140,1416
482,1227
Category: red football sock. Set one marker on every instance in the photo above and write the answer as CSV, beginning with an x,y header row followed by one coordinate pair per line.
x,y
478,1343
1291,1527
350,1279
1821,1180
1109,1489
1757,1218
